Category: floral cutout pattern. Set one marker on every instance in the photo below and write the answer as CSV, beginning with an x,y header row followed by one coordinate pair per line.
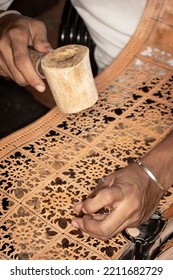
x,y
57,161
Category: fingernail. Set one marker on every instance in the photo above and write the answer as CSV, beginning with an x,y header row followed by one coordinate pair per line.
x,y
50,49
84,211
40,88
74,224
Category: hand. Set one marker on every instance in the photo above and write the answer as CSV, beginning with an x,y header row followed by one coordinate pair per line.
x,y
17,33
129,193
131,196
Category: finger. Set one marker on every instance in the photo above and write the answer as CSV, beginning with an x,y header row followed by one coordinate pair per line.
x,y
125,215
12,71
105,197
81,224
21,57
39,38
104,182
78,207
7,63
94,222
108,225
4,72
24,65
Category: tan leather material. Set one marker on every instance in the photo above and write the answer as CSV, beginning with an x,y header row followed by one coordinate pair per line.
x,y
50,165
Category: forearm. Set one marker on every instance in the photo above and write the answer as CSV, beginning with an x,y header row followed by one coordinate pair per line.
x,y
160,161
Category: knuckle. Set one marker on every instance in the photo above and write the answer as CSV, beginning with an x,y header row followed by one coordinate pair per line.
x,y
21,83
136,205
3,73
40,24
87,208
105,232
103,238
37,25
107,194
20,80
19,60
16,30
4,45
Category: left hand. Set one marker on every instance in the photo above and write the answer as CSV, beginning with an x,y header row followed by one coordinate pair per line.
x,y
130,194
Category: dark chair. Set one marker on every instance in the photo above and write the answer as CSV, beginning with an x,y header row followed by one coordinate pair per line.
x,y
73,31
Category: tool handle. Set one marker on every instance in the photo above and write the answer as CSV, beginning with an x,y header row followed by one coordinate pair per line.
x,y
36,58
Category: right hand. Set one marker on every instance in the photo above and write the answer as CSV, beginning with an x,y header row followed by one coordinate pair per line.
x,y
17,33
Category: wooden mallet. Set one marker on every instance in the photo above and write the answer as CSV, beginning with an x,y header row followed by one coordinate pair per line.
x,y
69,75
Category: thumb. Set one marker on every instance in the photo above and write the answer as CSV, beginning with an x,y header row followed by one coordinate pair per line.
x,y
41,44
40,41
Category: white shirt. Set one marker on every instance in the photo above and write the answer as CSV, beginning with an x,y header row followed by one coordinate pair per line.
x,y
111,24
4,4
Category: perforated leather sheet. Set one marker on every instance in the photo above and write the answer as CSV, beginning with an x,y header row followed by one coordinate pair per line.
x,y
49,166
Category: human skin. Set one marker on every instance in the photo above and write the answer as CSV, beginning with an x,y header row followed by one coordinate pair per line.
x,y
17,33
130,194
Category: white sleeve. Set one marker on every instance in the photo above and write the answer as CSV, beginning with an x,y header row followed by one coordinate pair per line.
x,y
4,4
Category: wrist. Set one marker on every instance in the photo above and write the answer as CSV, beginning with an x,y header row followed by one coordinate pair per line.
x,y
160,161
151,175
